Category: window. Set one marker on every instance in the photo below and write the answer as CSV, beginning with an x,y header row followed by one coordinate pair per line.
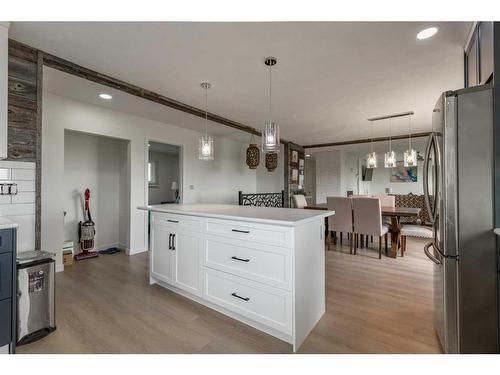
x,y
152,178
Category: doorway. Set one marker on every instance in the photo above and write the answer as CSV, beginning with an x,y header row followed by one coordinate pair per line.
x,y
163,173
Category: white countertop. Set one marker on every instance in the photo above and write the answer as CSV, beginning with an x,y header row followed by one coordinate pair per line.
x,y
266,215
7,223
496,231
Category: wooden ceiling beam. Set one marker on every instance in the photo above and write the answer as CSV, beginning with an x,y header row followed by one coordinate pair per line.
x,y
367,140
69,67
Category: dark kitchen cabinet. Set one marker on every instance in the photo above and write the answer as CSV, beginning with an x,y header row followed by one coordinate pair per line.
x,y
479,55
8,277
485,51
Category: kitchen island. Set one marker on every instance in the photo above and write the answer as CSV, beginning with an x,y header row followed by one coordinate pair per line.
x,y
263,266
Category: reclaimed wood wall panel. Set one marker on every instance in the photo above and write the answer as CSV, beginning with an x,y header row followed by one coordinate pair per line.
x,y
22,105
24,115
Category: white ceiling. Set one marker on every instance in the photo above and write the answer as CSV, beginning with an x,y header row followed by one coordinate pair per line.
x,y
330,76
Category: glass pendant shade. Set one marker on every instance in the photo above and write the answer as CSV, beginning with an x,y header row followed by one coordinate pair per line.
x,y
206,148
371,160
390,159
271,138
410,158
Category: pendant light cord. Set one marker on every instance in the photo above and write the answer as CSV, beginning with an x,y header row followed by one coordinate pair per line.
x,y
270,94
390,134
206,111
371,143
409,132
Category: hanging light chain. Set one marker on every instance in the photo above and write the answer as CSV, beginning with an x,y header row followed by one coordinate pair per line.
x,y
390,134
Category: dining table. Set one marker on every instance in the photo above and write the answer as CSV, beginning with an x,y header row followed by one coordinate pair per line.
x,y
394,213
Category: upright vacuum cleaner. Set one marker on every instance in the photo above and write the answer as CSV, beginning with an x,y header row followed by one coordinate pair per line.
x,y
86,233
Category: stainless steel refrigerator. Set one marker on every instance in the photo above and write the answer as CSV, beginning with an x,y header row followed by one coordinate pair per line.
x,y
459,192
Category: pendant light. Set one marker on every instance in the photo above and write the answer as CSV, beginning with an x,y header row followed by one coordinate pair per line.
x,y
371,158
410,155
271,132
206,143
390,156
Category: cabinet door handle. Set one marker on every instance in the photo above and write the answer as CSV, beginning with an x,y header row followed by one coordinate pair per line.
x,y
241,259
240,297
173,241
172,221
170,241
240,231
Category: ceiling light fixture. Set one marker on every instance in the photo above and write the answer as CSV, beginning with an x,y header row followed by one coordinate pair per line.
x,y
427,33
390,156
206,143
105,96
271,131
410,155
371,159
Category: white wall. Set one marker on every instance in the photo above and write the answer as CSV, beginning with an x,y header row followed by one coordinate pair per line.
x,y
167,170
270,182
349,173
93,162
21,207
217,181
381,180
328,174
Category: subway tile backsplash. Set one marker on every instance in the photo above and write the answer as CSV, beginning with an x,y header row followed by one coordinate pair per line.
x,y
20,207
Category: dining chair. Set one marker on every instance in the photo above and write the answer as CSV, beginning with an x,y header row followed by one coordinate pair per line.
x,y
410,230
367,214
299,201
386,200
359,196
342,220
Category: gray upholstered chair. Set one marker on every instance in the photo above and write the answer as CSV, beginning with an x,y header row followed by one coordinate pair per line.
x,y
367,215
299,201
409,230
342,220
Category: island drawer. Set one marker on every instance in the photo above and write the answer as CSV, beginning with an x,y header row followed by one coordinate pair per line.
x,y
271,265
253,232
261,303
176,221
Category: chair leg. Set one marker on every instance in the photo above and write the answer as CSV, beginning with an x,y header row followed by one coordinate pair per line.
x,y
350,242
355,242
362,241
341,238
385,238
371,239
380,247
366,241
402,239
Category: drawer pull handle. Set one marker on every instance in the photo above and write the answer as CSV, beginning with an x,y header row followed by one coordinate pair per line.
x,y
240,231
240,297
241,259
172,221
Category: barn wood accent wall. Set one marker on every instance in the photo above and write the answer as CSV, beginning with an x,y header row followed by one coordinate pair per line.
x,y
24,115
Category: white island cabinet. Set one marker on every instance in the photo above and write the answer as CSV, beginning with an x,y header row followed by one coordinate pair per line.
x,y
262,266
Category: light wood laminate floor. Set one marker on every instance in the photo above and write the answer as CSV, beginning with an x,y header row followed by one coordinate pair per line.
x,y
106,305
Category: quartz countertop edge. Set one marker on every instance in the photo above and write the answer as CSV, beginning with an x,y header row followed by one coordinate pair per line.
x,y
264,215
7,223
496,231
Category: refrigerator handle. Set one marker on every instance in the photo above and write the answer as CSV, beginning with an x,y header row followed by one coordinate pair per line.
x,y
437,172
426,178
429,255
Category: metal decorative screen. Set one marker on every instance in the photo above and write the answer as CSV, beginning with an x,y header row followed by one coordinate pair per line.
x,y
262,199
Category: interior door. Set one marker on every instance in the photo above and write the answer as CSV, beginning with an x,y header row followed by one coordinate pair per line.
x,y
187,264
162,253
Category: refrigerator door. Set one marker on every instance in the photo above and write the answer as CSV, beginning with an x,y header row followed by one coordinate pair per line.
x,y
477,274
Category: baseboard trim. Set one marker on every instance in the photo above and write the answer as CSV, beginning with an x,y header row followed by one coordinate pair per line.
x,y
59,267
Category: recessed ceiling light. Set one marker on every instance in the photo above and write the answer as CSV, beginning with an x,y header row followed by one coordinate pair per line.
x,y
105,96
427,33
308,156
